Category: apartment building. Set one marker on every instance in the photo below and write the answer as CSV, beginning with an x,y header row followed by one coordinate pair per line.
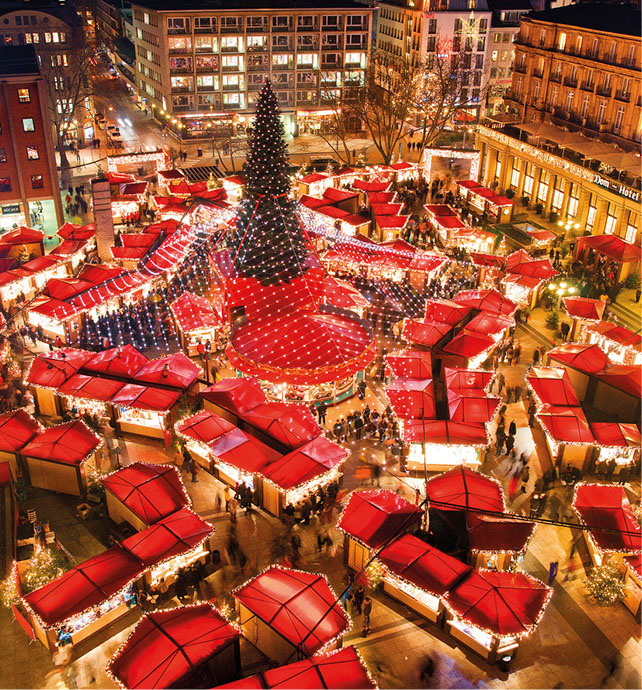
x,y
29,186
202,65
56,31
573,148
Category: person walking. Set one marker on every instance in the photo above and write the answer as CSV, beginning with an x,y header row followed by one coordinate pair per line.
x,y
322,411
358,599
536,356
367,610
194,470
510,442
553,568
512,428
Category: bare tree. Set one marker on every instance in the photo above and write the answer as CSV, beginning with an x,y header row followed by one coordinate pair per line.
x,y
337,126
225,143
68,79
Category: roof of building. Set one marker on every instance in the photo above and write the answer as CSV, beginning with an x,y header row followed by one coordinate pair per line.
x,y
271,5
615,18
509,5
65,11
15,60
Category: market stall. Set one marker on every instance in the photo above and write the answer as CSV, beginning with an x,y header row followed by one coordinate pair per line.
x,y
188,646
17,429
581,361
568,436
314,184
583,311
197,321
619,442
56,459
201,429
497,543
623,256
142,494
622,345
286,613
618,392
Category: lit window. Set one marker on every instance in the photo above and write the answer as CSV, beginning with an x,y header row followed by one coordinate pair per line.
x,y
27,124
37,182
47,37
5,184
32,153
56,37
23,96
3,156
561,44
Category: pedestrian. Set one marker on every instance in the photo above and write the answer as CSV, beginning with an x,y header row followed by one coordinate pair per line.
x,y
194,470
638,294
517,392
358,426
565,329
536,356
512,428
367,610
553,568
510,442
509,394
358,599
518,351
322,411
501,381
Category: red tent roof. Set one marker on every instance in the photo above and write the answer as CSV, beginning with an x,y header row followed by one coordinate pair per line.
x,y
486,300
566,425
606,511
237,395
422,565
290,424
167,645
170,174
519,257
312,201
341,294
175,370
90,387
468,184
619,334
624,377
300,606
151,492
17,428
441,432
442,210
391,221
22,235
584,308
487,260
309,462
118,361
426,262
613,246
445,311
194,312
374,517
177,533
313,177
467,378
138,239
144,398
504,603
540,268
411,363
334,671
486,322
471,405
462,488
204,426
371,186
118,178
410,397
487,533
127,253
587,358
615,435
53,369
244,452
68,444
469,344
552,385
425,332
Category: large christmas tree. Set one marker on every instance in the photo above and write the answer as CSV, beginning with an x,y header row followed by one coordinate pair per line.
x,y
268,242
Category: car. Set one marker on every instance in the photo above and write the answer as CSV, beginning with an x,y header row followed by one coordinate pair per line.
x,y
319,163
113,129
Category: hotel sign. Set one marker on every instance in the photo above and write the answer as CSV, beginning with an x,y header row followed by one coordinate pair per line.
x,y
617,187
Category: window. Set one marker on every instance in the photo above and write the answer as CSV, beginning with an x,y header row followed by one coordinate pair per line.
x,y
37,182
595,48
542,187
569,102
611,220
591,213
585,107
573,201
558,195
514,176
631,228
202,23
145,17
207,81
612,51
630,59
554,95
601,112
177,24
24,96
617,124
528,180
625,89
56,37
47,37
561,42
3,156
27,124
5,184
32,153
494,55
578,44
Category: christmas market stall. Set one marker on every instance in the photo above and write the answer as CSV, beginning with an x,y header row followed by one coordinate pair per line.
x,y
22,244
288,613
167,177
90,597
142,494
188,646
619,442
581,361
612,535
618,392
568,436
337,670
233,186
57,458
583,312
622,345
17,429
622,256
197,321
524,279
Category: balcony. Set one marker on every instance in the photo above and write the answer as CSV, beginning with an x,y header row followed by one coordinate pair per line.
x,y
207,87
205,29
262,28
331,65
182,89
538,73
604,91
231,49
305,101
179,50
178,30
180,70
282,27
182,108
359,27
251,67
232,68
569,81
232,106
232,29
206,68
332,27
331,46
280,68
623,96
520,68
587,86
232,87
308,27
556,77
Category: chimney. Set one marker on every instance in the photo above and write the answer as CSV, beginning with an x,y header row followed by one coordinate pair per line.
x,y
105,237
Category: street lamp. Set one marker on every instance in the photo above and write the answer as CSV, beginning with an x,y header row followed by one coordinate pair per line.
x,y
561,289
568,224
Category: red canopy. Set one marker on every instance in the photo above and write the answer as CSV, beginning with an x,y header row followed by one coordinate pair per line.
x,y
123,361
151,492
90,387
204,426
541,269
587,358
22,235
462,488
237,395
334,671
566,425
584,308
53,369
17,428
69,444
193,313
521,256
410,363
624,377
144,398
171,536
606,511
422,565
612,246
469,344
467,378
374,517
290,424
411,397
177,371
552,385
341,294
243,452
503,603
168,645
118,178
441,432
445,311
300,606
471,405
487,260
486,322
309,462
423,332
490,534
616,435
618,334
486,300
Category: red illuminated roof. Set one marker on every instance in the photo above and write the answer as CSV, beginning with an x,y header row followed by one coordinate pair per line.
x,y
53,369
566,424
144,398
615,435
486,300
151,492
237,395
624,377
118,361
613,246
194,313
392,221
332,211
290,424
411,363
619,334
503,603
374,517
541,269
22,235
300,606
312,201
487,322
587,358
422,565
244,452
487,260
204,426
584,308
167,645
170,174
468,184
177,371
90,387
17,428
469,344
313,177
467,378
552,386
68,444
471,405
310,461
606,511
487,533
462,488
441,432
334,671
445,311
425,332
338,194
341,294
410,397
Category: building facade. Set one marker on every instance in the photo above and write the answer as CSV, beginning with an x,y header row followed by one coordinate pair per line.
x,y
577,72
29,186
203,68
